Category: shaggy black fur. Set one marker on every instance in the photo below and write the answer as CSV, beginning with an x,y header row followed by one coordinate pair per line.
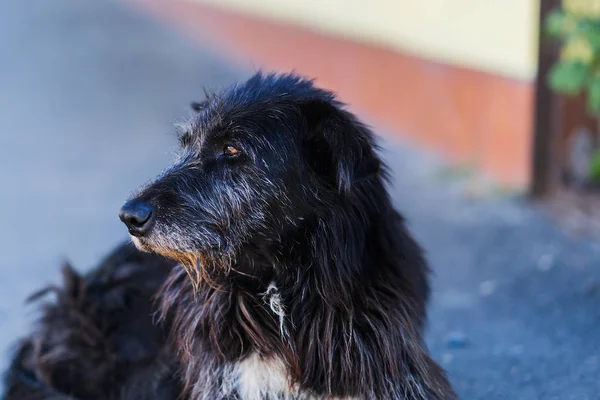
x,y
97,340
297,277
291,250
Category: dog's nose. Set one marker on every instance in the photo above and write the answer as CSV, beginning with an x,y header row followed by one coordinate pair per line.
x,y
137,216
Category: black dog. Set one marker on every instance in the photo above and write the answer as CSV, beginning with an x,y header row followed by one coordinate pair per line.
x,y
297,277
98,339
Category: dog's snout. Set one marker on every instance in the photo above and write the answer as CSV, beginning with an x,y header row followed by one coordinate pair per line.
x,y
137,216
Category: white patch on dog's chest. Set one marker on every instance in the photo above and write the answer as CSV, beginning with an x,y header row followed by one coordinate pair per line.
x,y
260,378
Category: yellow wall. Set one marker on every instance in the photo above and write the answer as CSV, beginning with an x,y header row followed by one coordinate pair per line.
x,y
499,36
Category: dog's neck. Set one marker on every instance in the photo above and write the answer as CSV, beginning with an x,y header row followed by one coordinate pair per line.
x,y
343,321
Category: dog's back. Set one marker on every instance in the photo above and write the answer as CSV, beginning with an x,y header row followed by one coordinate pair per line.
x,y
97,339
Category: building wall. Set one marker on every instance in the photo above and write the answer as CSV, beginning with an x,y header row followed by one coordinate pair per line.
x,y
452,76
497,36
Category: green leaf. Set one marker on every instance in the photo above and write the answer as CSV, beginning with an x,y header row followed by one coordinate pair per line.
x,y
593,96
595,166
591,32
568,77
554,22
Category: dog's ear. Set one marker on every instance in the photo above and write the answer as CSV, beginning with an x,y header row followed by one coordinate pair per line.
x,y
340,148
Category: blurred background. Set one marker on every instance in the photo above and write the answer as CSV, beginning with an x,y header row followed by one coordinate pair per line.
x,y
495,168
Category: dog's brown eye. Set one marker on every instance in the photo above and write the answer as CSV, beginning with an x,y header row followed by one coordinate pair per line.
x,y
230,151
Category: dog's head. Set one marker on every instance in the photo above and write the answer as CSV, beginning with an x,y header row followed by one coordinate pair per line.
x,y
256,161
